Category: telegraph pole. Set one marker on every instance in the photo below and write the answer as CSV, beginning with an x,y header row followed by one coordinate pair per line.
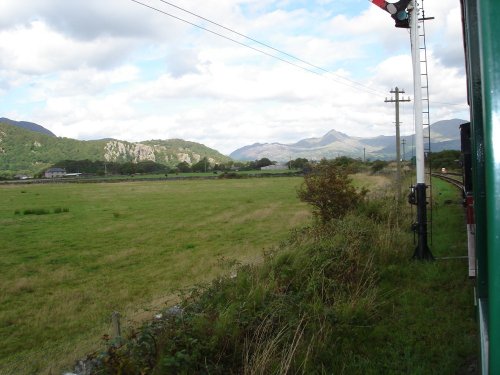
x,y
403,142
397,100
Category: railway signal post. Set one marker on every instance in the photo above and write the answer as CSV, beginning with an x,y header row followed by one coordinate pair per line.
x,y
422,251
405,14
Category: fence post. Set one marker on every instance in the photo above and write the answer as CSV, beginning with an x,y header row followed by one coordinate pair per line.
x,y
117,333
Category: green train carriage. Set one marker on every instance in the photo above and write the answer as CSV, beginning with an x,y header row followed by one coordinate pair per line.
x,y
481,26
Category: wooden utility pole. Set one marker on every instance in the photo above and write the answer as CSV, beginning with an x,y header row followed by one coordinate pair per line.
x,y
403,142
397,100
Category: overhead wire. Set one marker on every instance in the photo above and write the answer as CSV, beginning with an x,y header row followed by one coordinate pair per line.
x,y
333,76
454,104
270,47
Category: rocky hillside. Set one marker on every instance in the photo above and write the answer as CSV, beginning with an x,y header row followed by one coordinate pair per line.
x,y
26,151
444,135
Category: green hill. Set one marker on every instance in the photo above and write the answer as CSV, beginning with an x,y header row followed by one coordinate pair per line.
x,y
25,151
27,125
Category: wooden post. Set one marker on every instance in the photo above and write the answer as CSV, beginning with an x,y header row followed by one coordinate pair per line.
x,y
115,319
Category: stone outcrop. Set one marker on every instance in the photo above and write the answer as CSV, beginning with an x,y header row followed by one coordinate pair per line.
x,y
119,151
135,152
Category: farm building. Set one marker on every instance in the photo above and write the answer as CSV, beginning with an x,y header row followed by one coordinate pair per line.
x,y
277,167
55,172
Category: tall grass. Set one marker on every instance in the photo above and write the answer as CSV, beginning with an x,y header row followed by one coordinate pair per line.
x,y
280,316
338,298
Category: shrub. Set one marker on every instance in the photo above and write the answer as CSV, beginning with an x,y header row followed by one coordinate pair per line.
x,y
230,175
36,211
281,317
328,189
378,165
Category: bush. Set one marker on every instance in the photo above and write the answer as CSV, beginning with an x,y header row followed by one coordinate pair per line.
x,y
284,316
448,159
230,175
328,189
334,298
36,211
378,165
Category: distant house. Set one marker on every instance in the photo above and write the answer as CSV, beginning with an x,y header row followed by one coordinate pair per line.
x,y
277,167
55,172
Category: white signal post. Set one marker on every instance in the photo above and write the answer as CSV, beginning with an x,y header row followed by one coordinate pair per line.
x,y
400,11
417,94
422,251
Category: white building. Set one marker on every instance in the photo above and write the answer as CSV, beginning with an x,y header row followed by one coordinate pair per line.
x,y
55,172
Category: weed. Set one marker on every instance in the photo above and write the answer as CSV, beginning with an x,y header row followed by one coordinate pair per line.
x,y
231,175
261,320
336,297
36,211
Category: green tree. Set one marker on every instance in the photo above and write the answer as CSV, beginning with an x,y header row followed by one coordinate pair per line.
x,y
128,168
184,167
448,159
202,166
329,190
299,163
264,162
220,167
349,164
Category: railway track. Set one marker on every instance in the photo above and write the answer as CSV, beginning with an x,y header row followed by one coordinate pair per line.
x,y
453,178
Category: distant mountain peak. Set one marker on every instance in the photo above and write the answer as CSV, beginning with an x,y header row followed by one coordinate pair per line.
x,y
27,125
444,134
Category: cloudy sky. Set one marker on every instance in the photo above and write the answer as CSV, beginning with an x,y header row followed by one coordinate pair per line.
x,y
91,69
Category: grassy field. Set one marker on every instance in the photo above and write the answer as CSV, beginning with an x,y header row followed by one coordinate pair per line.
x,y
96,248
342,297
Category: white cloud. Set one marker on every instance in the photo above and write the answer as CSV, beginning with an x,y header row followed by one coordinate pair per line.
x,y
35,49
123,71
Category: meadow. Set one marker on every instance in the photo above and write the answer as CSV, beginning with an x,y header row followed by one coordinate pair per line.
x,y
71,254
342,297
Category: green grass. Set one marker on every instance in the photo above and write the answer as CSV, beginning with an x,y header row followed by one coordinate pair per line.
x,y
427,315
125,246
343,298
173,175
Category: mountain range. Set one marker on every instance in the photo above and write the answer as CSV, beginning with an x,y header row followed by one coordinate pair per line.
x,y
27,125
444,135
30,148
26,147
